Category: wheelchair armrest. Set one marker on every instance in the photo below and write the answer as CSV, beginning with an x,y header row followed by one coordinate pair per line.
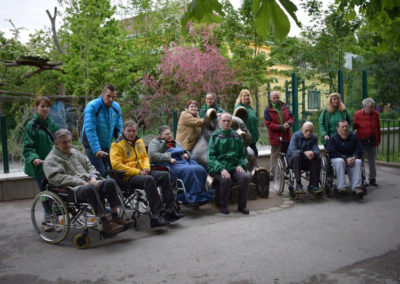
x,y
117,175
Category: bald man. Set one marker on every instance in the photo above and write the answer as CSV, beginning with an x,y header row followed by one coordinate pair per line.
x,y
303,154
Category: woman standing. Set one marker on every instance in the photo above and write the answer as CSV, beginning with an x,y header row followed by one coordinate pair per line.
x,y
38,139
244,100
189,126
335,111
368,130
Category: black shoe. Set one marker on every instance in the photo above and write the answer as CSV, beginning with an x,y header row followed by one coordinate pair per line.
x,y
373,182
299,188
158,221
224,210
171,215
244,210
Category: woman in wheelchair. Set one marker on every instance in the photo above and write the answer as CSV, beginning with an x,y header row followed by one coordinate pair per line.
x,y
128,154
165,151
345,152
303,154
67,168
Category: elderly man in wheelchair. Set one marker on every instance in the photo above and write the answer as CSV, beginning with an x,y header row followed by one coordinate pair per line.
x,y
301,161
345,153
303,154
128,154
70,171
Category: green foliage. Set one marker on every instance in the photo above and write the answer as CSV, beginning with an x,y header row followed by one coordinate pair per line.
x,y
202,11
381,18
97,52
269,18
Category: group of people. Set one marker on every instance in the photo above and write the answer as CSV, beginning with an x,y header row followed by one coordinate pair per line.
x,y
346,149
111,143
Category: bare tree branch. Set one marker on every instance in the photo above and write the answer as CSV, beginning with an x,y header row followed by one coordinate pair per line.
x,y
53,28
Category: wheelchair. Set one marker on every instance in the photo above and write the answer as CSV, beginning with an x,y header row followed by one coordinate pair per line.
x,y
283,174
134,201
58,211
331,188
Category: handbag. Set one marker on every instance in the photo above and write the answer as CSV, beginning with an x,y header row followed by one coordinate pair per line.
x,y
370,141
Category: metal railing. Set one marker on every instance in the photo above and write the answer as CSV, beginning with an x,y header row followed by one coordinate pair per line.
x,y
389,149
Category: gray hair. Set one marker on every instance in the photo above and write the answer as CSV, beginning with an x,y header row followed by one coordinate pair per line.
x,y
308,123
61,133
368,102
130,123
163,128
226,113
211,93
275,93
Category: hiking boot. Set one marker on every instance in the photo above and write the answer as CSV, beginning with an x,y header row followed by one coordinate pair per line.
x,y
112,228
224,210
373,182
120,221
171,215
158,221
244,210
314,189
299,188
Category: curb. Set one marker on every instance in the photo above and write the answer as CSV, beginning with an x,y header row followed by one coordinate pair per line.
x,y
386,164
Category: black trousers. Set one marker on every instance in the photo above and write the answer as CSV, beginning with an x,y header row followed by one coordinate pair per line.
x,y
254,147
225,185
300,162
95,196
149,183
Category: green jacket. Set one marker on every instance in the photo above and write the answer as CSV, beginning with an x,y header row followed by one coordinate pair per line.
x,y
226,150
204,108
68,170
37,144
328,122
252,122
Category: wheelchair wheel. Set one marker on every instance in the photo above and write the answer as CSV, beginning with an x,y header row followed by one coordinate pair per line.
x,y
278,182
323,173
81,240
50,217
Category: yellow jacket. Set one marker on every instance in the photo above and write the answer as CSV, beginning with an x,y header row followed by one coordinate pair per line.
x,y
125,157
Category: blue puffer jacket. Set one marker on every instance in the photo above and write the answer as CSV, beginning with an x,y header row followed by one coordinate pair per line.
x,y
101,124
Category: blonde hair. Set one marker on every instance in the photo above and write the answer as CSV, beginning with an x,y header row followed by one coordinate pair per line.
x,y
239,98
330,108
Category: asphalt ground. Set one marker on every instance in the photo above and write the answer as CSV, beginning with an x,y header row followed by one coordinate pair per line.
x,y
328,240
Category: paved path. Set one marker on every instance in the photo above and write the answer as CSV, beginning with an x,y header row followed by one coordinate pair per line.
x,y
309,241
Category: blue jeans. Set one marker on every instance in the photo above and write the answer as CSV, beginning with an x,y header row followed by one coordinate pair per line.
x,y
101,164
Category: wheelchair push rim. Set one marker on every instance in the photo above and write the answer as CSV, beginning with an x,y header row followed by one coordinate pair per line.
x,y
50,217
278,181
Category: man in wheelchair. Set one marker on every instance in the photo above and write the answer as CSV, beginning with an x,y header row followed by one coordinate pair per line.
x,y
303,154
345,151
67,168
128,154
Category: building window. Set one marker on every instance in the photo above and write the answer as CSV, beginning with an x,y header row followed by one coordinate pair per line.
x,y
314,99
